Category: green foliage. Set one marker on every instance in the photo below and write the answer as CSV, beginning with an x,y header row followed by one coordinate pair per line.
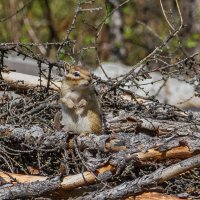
x,y
192,41
89,40
139,18
128,32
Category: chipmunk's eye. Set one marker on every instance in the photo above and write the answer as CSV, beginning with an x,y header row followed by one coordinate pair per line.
x,y
76,73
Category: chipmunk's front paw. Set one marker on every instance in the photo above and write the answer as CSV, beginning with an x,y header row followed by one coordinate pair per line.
x,y
80,109
68,102
82,103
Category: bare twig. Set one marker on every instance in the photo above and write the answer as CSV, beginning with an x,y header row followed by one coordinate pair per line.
x,y
170,25
65,41
17,12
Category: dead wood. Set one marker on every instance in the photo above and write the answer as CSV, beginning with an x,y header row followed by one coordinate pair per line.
x,y
86,178
121,146
28,189
153,196
21,178
120,161
19,185
24,81
144,196
141,184
131,140
68,182
78,180
174,145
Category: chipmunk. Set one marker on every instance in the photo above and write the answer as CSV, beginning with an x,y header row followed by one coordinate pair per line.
x,y
81,110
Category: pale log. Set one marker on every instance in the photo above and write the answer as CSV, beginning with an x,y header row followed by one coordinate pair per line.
x,y
24,81
69,182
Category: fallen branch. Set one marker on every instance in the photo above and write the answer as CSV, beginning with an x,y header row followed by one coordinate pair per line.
x,y
130,188
24,81
29,189
78,180
152,154
156,148
75,181
69,182
34,185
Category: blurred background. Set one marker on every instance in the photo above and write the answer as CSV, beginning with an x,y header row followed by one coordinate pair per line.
x,y
130,33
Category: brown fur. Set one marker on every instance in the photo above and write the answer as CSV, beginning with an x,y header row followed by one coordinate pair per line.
x,y
79,102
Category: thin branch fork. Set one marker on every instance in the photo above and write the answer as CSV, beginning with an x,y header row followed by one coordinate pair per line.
x,y
180,16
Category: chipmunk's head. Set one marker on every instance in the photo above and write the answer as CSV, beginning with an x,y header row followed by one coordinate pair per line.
x,y
78,77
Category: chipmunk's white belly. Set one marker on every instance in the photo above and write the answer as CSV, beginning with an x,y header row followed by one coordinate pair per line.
x,y
78,124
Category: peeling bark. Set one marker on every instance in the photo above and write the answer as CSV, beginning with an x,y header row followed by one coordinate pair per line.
x,y
22,190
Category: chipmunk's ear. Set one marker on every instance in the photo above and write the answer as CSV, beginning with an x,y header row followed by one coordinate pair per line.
x,y
67,67
79,64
